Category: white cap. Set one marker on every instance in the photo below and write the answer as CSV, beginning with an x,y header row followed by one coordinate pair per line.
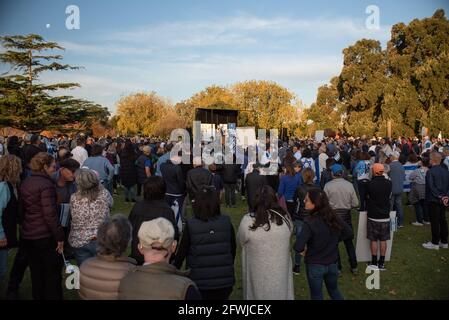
x,y
157,232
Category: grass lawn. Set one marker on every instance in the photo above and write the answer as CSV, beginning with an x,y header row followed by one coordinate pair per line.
x,y
413,273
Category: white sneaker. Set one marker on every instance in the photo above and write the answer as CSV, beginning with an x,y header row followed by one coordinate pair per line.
x,y
443,245
426,222
431,246
417,224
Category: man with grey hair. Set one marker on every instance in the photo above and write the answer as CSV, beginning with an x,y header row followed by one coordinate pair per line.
x,y
397,176
100,276
437,197
157,279
343,198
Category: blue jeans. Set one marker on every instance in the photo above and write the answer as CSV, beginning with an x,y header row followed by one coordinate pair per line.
x,y
298,228
422,211
85,252
107,185
396,205
316,273
3,264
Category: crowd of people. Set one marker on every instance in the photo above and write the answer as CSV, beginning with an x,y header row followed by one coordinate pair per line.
x,y
56,197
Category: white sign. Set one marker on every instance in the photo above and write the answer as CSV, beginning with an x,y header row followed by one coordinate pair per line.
x,y
424,131
363,247
319,135
207,132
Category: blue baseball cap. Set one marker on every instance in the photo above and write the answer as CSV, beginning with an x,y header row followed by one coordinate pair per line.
x,y
337,168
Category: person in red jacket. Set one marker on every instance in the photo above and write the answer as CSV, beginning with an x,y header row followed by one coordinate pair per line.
x,y
42,233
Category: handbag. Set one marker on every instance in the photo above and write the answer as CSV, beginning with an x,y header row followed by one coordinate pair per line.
x,y
282,203
287,221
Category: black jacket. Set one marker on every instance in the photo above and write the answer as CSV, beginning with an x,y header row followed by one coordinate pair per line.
x,y
437,183
326,176
301,192
378,192
253,182
173,178
321,241
38,208
210,249
128,169
197,178
230,173
140,168
146,211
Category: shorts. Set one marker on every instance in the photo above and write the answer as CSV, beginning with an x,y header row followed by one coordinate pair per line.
x,y
378,230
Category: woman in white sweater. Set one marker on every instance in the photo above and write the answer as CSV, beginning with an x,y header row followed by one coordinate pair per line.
x,y
265,239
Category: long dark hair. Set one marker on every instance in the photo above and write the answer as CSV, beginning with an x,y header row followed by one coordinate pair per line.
x,y
265,208
289,157
207,204
289,170
128,152
323,209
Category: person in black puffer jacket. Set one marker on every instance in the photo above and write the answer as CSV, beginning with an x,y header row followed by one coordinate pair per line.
x,y
42,233
208,243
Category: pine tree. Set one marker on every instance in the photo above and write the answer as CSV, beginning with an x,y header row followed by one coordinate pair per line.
x,y
26,102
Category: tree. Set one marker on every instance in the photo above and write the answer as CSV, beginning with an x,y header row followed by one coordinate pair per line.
x,y
26,102
213,97
326,111
418,56
168,122
139,113
361,86
263,104
406,84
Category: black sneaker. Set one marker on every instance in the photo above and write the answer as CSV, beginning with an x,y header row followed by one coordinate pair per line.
x,y
296,269
355,271
381,267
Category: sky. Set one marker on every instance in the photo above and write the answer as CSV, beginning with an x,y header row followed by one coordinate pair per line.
x,y
178,48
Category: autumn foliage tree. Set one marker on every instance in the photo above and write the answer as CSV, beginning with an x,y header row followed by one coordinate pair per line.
x,y
263,104
140,113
